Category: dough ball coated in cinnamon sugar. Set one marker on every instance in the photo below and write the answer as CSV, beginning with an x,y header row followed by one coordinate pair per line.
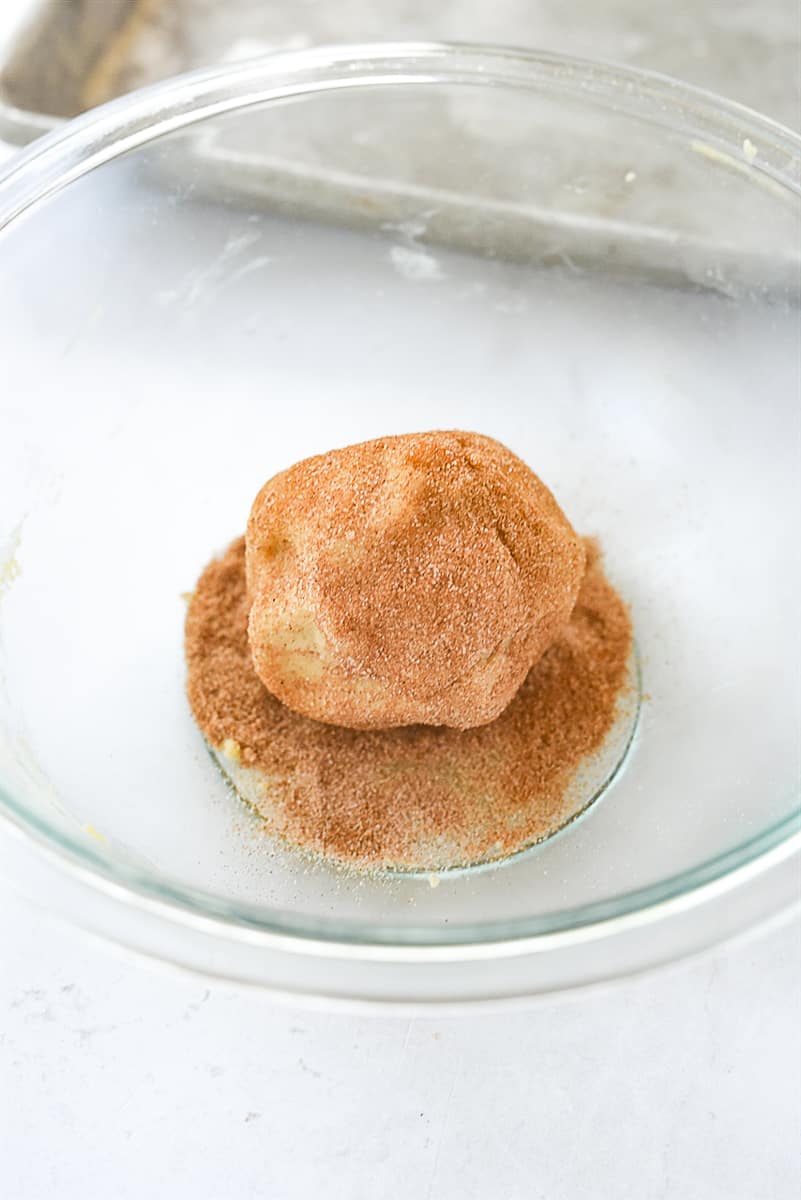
x,y
407,580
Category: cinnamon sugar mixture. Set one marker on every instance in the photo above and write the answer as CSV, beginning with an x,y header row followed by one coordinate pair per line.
x,y
417,797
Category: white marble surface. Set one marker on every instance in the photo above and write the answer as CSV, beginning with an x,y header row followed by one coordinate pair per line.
x,y
121,1081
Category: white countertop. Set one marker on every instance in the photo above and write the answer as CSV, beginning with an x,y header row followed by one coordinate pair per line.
x,y
121,1081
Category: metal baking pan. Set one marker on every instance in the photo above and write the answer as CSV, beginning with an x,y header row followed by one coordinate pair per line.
x,y
62,57
66,56
95,49
47,57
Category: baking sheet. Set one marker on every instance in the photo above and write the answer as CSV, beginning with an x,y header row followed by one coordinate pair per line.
x,y
73,54
95,49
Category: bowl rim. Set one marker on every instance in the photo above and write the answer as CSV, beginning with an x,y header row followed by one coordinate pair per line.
x,y
119,126
737,136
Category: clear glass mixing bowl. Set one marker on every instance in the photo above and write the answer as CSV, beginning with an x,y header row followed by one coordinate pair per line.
x,y
206,281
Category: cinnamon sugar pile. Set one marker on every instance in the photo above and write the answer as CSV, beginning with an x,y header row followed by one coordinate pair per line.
x,y
419,797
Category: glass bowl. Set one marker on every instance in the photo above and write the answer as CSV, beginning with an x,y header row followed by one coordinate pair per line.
x,y
213,278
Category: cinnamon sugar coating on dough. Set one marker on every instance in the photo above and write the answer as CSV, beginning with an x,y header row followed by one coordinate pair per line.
x,y
411,580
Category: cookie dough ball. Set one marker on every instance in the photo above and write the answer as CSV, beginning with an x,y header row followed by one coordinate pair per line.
x,y
408,580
